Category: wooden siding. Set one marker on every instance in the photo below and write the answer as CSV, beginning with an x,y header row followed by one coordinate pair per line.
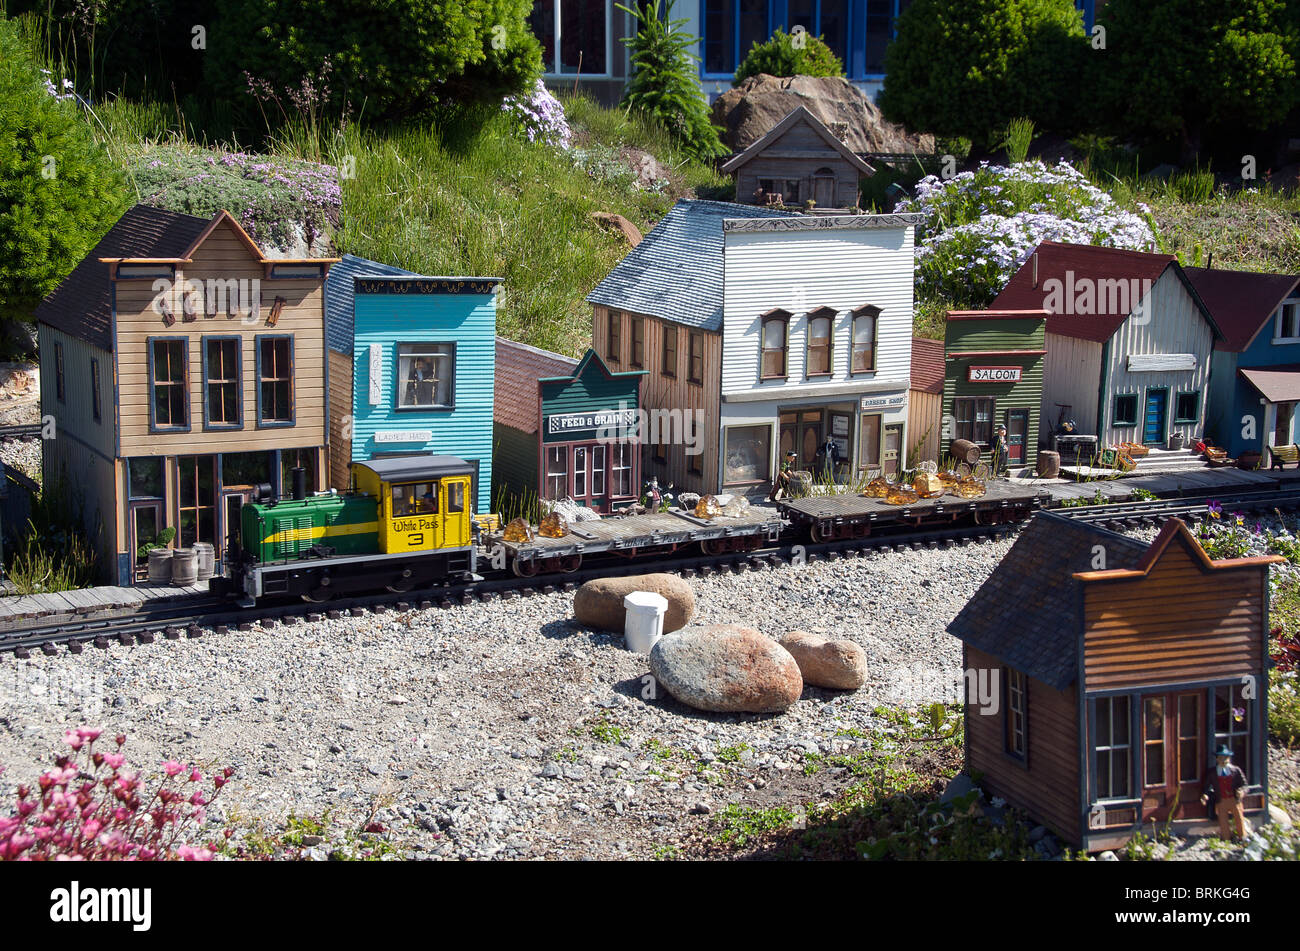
x,y
222,257
1046,783
1176,624
799,154
1175,325
982,336
924,419
74,414
340,447
661,392
89,486
514,462
1071,375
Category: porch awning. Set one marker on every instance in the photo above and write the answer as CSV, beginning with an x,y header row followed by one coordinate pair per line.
x,y
1280,384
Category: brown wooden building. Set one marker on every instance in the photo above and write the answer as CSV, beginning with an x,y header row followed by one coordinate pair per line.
x,y
799,159
1119,669
183,367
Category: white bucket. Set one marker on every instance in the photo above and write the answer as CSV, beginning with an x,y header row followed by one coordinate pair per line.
x,y
644,620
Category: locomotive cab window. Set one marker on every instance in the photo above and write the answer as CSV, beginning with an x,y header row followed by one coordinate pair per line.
x,y
455,497
418,498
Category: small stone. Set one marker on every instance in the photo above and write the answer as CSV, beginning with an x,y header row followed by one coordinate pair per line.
x,y
551,771
310,840
701,809
1108,856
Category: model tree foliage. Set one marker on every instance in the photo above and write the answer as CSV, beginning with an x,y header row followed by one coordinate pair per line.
x,y
785,54
386,59
663,83
968,67
1201,66
59,192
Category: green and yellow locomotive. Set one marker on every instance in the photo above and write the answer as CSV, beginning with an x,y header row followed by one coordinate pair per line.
x,y
407,525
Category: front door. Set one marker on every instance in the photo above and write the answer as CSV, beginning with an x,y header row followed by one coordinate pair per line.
x,y
454,526
1173,755
802,432
232,503
869,451
824,189
892,450
1282,429
1017,432
590,476
1153,429
146,523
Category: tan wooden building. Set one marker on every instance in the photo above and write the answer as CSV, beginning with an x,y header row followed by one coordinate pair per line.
x,y
183,368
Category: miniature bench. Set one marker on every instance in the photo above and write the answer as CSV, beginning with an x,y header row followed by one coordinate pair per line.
x,y
1281,455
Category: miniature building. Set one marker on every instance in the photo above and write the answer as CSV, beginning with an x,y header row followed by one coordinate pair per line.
x,y
1109,672
798,159
1128,341
1255,376
925,399
183,368
418,355
762,332
568,428
994,374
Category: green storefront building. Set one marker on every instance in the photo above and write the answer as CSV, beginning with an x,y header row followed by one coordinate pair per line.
x,y
993,373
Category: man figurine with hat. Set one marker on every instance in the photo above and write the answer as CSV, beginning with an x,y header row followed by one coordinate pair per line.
x,y
781,484
1001,454
1225,790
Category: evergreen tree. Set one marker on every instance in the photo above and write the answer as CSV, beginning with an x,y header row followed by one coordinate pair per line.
x,y
787,54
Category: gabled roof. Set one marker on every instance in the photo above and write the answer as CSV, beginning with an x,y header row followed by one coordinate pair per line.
x,y
1027,613
519,368
675,273
927,365
1175,530
799,114
340,297
1077,264
1241,302
82,305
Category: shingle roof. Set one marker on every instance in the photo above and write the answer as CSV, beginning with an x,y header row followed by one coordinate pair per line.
x,y
675,273
1241,302
927,365
1084,263
82,305
796,115
340,296
1026,613
519,367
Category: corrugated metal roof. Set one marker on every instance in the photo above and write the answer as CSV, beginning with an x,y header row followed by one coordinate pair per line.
x,y
340,295
927,365
82,305
1241,302
675,273
519,367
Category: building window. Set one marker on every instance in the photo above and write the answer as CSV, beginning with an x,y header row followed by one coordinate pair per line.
x,y
863,357
668,365
731,27
59,389
820,323
747,455
557,473
614,337
775,338
973,419
1232,719
598,471
221,372
274,380
638,342
828,19
584,31
1017,708
144,478
245,468
579,472
291,459
1126,410
1187,407
198,499
786,188
167,375
426,375
94,390
1112,747
695,358
621,470
1288,320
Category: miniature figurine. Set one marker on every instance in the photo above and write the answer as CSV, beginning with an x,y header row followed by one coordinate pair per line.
x,y
1225,783
781,484
830,453
1001,454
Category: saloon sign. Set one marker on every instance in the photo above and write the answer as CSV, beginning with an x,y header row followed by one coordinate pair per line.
x,y
994,374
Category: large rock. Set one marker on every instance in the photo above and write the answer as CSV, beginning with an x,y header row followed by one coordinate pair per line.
x,y
726,668
749,110
599,603
841,665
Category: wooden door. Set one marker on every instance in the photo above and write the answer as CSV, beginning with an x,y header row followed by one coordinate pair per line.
x,y
591,476
1153,428
892,449
824,189
802,432
869,445
146,523
1017,432
1173,755
453,526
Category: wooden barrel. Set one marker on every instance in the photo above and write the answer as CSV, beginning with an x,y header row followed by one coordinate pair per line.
x,y
206,560
185,566
965,451
160,566
1048,465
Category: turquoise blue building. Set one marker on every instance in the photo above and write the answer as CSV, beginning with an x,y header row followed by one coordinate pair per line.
x,y
419,356
1255,368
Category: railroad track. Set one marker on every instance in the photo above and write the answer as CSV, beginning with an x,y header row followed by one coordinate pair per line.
x,y
23,431
1133,514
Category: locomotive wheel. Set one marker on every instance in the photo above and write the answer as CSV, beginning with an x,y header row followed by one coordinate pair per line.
x,y
322,591
570,564
818,535
524,569
403,583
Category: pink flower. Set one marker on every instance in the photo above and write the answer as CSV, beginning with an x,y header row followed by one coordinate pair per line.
x,y
172,768
114,760
91,828
88,734
73,739
195,776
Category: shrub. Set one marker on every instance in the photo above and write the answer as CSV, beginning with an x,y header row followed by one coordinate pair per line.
x,y
789,55
1284,706
968,68
59,192
90,807
980,226
664,86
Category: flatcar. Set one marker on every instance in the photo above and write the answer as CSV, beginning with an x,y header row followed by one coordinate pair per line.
x,y
406,526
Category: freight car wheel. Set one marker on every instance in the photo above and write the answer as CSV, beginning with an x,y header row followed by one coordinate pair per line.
x,y
570,564
524,569
819,534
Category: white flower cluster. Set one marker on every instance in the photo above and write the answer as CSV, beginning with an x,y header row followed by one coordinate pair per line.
x,y
63,91
540,115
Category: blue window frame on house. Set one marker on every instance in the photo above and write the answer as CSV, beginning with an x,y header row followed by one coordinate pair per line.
x,y
169,385
729,28
583,28
222,383
274,380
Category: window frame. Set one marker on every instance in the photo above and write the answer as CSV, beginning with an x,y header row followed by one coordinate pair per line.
x,y
828,314
95,409
694,338
622,459
636,356
60,380
668,354
732,42
1289,306
871,312
1178,418
561,453
262,422
776,315
973,435
399,384
1115,420
614,336
184,383
238,381
1015,688
554,69
1121,751
767,461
